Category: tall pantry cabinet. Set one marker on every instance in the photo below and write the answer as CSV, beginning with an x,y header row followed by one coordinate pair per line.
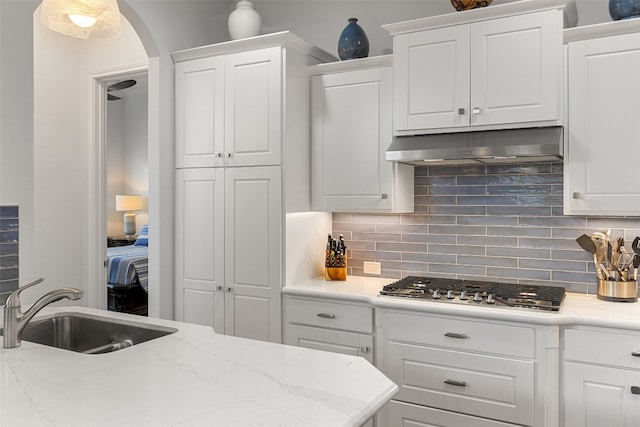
x,y
242,164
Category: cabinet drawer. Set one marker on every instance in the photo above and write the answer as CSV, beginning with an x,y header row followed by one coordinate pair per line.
x,y
330,340
614,349
480,385
330,315
465,335
401,414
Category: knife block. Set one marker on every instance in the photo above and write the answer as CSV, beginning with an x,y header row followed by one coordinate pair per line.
x,y
336,273
610,290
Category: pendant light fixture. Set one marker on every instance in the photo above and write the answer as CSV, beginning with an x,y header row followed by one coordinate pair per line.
x,y
84,19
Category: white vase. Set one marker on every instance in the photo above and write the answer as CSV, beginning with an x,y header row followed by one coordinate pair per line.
x,y
244,21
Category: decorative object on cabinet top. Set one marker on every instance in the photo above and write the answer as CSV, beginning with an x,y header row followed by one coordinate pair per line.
x,y
568,7
244,21
624,9
461,5
353,42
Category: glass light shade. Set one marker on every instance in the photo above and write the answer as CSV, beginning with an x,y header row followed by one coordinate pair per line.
x,y
128,203
73,18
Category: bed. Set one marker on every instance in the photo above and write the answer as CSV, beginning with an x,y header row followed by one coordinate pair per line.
x,y
127,275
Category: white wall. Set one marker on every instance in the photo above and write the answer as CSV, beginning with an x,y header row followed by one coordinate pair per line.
x,y
62,164
127,156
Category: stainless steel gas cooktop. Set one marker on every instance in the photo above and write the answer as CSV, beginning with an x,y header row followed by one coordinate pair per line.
x,y
477,292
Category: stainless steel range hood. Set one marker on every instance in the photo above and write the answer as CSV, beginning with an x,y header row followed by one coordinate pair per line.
x,y
479,147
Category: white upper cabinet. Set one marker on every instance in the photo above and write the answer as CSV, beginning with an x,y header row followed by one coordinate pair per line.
x,y
604,107
199,111
350,132
503,72
228,110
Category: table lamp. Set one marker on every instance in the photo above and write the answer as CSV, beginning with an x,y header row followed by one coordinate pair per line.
x,y
128,204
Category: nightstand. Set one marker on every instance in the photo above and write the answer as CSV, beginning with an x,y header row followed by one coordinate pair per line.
x,y
113,241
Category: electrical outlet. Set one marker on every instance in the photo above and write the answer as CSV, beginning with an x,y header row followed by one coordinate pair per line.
x,y
371,267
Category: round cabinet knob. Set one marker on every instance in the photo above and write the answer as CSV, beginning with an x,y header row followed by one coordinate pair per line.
x,y
436,294
577,195
450,294
490,299
477,297
463,296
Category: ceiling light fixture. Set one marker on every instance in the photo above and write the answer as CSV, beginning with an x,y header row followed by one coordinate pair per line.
x,y
84,19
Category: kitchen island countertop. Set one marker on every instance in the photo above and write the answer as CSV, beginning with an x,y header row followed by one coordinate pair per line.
x,y
576,309
194,377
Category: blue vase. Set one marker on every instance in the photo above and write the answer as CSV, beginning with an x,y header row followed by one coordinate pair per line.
x,y
353,42
624,9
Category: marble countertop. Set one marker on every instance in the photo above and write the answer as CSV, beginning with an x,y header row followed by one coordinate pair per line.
x,y
576,309
194,377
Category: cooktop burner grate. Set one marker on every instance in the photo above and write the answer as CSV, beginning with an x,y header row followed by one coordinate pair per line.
x,y
477,292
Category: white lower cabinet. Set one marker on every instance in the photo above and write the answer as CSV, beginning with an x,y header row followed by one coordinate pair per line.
x,y
601,378
329,325
456,371
229,249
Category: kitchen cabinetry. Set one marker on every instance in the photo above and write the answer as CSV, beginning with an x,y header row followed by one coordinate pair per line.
x,y
228,249
242,150
330,325
603,111
466,372
451,72
601,378
351,128
228,109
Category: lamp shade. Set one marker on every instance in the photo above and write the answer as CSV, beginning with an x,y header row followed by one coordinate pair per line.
x,y
128,203
84,19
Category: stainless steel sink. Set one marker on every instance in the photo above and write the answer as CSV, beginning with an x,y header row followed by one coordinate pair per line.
x,y
90,334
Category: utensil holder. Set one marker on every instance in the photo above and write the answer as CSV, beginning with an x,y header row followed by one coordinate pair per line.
x,y
336,272
618,291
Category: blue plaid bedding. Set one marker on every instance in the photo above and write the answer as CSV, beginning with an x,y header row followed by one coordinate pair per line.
x,y
127,265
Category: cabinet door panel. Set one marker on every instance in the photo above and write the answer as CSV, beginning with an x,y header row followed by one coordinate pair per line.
x,y
603,115
523,85
334,341
597,396
199,112
403,414
486,386
253,271
351,130
200,246
253,108
432,78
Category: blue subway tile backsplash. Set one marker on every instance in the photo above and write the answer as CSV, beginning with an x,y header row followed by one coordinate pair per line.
x,y
9,251
500,223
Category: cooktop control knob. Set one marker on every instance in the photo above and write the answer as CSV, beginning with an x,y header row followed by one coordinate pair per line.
x,y
477,297
450,294
436,294
463,295
490,299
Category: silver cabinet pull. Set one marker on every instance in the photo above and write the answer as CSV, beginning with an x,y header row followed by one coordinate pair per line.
x,y
384,196
229,289
461,111
635,389
456,383
364,349
577,195
476,110
227,155
635,353
456,335
219,288
327,315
